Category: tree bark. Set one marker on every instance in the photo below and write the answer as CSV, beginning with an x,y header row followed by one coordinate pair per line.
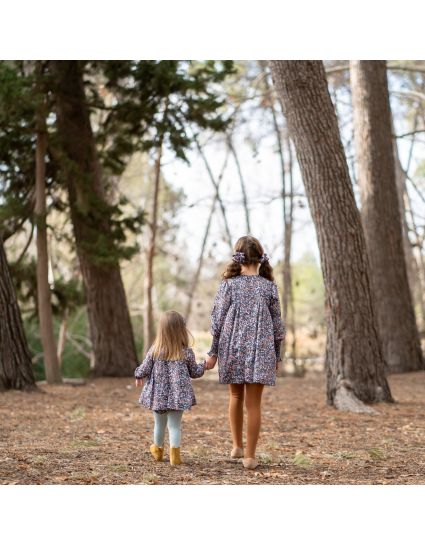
x,y
110,326
45,315
380,213
354,361
15,360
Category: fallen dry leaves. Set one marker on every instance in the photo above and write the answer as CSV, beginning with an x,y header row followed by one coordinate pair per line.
x,y
97,434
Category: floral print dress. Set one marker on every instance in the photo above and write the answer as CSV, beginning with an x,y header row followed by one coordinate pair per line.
x,y
247,330
168,386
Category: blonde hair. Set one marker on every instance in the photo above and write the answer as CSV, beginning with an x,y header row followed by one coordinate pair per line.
x,y
172,337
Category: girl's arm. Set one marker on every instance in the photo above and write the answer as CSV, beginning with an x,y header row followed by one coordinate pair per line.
x,y
196,370
221,306
145,368
279,330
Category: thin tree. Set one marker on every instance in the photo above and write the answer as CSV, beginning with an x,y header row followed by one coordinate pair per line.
x,y
283,142
217,192
354,362
45,315
111,331
242,182
148,326
197,275
412,267
380,213
15,359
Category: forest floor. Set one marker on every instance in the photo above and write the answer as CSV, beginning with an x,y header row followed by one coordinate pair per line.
x,y
97,434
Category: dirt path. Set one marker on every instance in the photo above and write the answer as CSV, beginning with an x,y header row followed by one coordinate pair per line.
x,y
97,434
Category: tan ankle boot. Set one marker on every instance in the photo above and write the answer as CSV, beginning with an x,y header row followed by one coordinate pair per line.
x,y
157,453
175,458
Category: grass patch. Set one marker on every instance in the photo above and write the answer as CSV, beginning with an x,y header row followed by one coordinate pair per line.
x,y
301,460
77,414
149,478
346,455
376,453
119,468
265,458
82,443
200,452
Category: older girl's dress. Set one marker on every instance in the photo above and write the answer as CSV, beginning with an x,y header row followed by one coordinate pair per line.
x,y
247,330
168,386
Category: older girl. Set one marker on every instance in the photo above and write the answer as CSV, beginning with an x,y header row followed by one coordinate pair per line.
x,y
247,334
168,368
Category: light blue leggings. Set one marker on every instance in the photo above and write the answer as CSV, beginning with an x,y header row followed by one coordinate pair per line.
x,y
174,421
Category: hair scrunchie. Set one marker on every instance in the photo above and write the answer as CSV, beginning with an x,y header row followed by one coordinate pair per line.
x,y
264,258
239,257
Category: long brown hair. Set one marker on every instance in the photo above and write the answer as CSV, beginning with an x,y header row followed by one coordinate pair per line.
x,y
172,336
251,247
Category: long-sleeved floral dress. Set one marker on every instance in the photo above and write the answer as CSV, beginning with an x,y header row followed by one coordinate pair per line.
x,y
168,386
247,330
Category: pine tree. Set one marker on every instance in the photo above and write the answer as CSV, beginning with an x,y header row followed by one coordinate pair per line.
x,y
380,213
354,361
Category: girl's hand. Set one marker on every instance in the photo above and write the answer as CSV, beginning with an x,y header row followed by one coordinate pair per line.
x,y
277,365
139,382
210,362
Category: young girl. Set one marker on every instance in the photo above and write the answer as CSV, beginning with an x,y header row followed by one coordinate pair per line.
x,y
168,367
247,333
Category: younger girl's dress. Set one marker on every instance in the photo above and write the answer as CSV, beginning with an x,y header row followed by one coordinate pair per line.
x,y
168,386
247,330
168,392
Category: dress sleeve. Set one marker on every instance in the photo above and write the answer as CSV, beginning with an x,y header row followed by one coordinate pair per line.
x,y
145,368
221,306
279,330
196,370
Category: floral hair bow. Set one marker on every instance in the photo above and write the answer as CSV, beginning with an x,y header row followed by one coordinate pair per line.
x,y
238,257
264,258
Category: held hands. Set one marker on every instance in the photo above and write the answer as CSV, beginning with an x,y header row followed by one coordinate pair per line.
x,y
139,382
210,362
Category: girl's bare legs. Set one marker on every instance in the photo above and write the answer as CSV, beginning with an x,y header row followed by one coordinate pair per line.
x,y
253,395
236,413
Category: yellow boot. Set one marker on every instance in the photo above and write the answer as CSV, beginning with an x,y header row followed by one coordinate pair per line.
x,y
157,453
175,459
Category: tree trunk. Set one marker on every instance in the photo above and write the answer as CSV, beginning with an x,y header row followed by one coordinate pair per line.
x,y
381,218
197,275
110,326
217,193
15,360
354,361
148,326
45,315
242,182
62,337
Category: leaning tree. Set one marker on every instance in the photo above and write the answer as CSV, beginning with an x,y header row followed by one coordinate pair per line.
x,y
380,214
15,360
354,360
111,331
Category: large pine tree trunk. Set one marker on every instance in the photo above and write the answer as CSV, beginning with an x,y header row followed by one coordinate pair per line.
x,y
15,360
110,325
45,315
380,213
354,361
